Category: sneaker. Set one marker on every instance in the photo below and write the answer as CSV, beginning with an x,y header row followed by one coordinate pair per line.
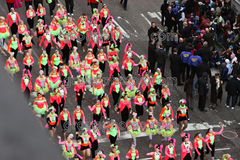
x,y
232,107
68,14
226,105
72,14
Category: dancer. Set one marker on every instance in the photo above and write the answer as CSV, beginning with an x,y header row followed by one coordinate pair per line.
x,y
52,119
74,36
62,15
41,83
62,91
134,127
14,46
128,65
100,156
70,24
182,116
98,110
166,109
85,144
4,33
109,26
186,147
165,92
14,19
106,39
94,133
106,104
97,87
22,29
82,29
65,45
131,87
152,97
56,59
96,15
104,14
210,139
139,101
95,42
143,65
114,154
117,36
48,39
167,128
54,78
41,12
151,128
28,61
95,69
40,27
27,44
74,61
157,82
55,28
115,91
11,66
102,58
146,85
40,105
132,153
92,27
30,17
170,153
64,71
124,107
26,84
198,146
113,131
78,119
114,67
80,90
55,100
128,52
157,154
227,157
68,150
65,119
44,62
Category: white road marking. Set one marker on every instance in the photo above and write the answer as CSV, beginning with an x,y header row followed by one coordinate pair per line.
x,y
146,19
154,15
135,31
160,14
122,30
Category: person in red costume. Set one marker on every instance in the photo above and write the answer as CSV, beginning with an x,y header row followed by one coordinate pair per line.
x,y
170,153
132,153
157,154
186,147
93,3
26,84
14,19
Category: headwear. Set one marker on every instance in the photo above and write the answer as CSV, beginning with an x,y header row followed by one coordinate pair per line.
x,y
137,91
78,106
170,140
41,72
26,71
134,114
11,53
152,89
101,49
133,145
93,123
51,108
65,109
108,119
150,114
158,69
14,36
114,146
199,135
70,136
84,129
231,46
200,3
104,5
89,50
44,51
30,6
210,129
142,56
123,94
167,114
40,92
168,104
55,67
27,53
229,156
183,101
11,9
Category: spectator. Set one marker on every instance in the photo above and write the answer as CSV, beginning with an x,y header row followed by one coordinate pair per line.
x,y
160,55
187,30
169,19
153,32
189,89
218,19
232,88
224,72
214,58
185,55
175,65
204,52
181,46
151,55
203,67
208,37
175,42
163,9
216,89
202,91
193,62
203,24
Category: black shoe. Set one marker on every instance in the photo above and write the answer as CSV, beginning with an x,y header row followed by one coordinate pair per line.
x,y
180,84
125,9
158,97
203,110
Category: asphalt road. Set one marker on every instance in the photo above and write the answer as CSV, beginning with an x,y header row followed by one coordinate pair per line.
x,y
135,23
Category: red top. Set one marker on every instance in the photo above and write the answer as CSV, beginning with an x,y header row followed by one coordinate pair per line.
x,y
10,1
93,1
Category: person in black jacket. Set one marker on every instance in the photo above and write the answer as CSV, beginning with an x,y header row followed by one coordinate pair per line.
x,y
202,92
153,32
175,66
216,89
181,46
204,52
163,9
170,20
203,67
186,33
214,58
151,55
160,56
174,42
232,88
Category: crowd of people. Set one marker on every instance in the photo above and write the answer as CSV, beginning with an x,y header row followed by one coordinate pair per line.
x,y
198,26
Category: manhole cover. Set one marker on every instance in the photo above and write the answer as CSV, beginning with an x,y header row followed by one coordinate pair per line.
x,y
229,134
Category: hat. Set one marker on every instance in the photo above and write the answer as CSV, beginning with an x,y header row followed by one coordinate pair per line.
x,y
70,136
134,114
41,72
152,89
40,92
104,5
170,140
137,91
200,3
231,46
150,114
55,67
183,101
11,53
108,119
30,6
51,108
89,50
28,53
84,129
168,104
78,106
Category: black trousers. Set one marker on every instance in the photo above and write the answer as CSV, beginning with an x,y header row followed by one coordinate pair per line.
x,y
10,5
15,51
55,105
74,43
94,5
102,66
152,66
36,2
64,125
45,68
158,88
27,4
83,38
48,50
162,67
104,21
20,38
107,111
115,97
169,25
79,97
69,6
201,152
145,92
193,70
127,72
212,146
29,68
52,7
95,50
176,73
61,105
202,102
65,52
78,124
27,94
118,43
124,3
139,110
94,147
112,139
185,66
14,28
30,22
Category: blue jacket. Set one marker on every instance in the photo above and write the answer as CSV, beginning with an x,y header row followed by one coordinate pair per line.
x,y
185,56
194,60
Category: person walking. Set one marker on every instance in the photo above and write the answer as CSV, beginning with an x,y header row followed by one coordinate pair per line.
x,y
124,4
160,56
151,55
69,7
170,20
193,62
189,88
175,66
232,88
202,91
185,55
14,19
216,89
163,9
182,116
